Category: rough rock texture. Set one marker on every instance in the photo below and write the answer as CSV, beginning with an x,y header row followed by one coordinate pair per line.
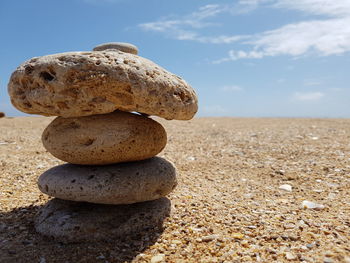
x,y
104,139
125,47
124,183
69,221
2,114
86,83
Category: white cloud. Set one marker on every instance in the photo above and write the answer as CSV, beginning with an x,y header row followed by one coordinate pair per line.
x,y
184,28
246,6
308,96
327,34
194,20
231,88
321,37
318,7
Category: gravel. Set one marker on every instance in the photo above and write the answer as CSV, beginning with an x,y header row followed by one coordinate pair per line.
x,y
227,207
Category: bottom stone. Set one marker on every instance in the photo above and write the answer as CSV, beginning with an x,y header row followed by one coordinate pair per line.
x,y
69,221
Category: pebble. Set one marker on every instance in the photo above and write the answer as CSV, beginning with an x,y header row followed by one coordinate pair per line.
x,y
99,82
290,256
40,166
311,205
68,221
158,258
245,243
104,139
252,227
125,47
176,242
327,260
237,235
191,158
286,187
310,246
123,183
289,226
209,238
304,248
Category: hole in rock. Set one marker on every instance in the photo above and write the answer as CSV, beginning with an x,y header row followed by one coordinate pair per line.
x,y
89,142
46,76
28,69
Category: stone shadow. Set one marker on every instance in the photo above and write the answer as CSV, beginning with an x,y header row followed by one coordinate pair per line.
x,y
20,242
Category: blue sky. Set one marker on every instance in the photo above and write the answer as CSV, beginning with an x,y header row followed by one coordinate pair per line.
x,y
246,58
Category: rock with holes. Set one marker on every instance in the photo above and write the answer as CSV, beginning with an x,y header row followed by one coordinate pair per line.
x,y
76,84
69,221
104,139
123,183
125,47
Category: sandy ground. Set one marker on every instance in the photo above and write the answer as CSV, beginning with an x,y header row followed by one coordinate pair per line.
x,y
227,207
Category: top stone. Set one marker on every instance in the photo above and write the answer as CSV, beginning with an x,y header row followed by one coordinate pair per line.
x,y
125,47
76,84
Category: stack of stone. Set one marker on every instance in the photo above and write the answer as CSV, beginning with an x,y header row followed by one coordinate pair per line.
x,y
113,185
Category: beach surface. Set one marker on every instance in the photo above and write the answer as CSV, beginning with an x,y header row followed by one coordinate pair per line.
x,y
242,187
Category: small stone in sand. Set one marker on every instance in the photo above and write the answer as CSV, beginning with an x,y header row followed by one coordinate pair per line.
x,y
158,258
286,187
290,256
311,205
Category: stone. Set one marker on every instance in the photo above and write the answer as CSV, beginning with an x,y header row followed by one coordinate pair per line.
x,y
76,84
311,205
68,221
158,258
286,187
122,183
124,47
209,238
290,256
2,114
104,139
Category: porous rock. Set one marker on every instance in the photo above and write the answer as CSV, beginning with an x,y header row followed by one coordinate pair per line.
x,y
68,221
123,183
104,139
78,84
125,47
